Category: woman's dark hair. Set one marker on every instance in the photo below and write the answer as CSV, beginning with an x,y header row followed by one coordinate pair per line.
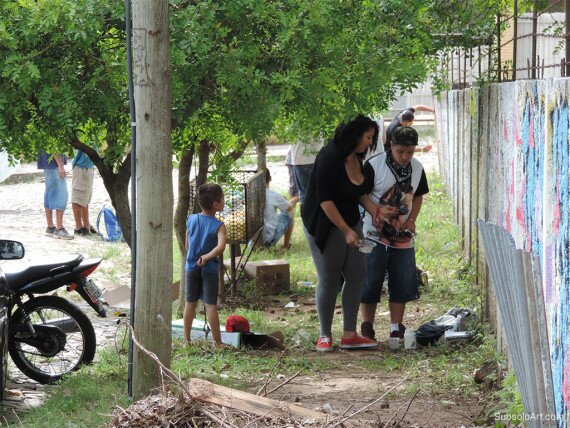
x,y
407,116
347,135
208,193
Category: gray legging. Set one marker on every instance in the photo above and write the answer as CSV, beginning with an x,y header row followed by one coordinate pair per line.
x,y
338,258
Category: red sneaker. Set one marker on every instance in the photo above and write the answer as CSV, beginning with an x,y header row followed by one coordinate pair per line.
x,y
324,344
357,342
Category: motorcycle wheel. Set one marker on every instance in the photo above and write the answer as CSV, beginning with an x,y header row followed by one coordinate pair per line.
x,y
78,348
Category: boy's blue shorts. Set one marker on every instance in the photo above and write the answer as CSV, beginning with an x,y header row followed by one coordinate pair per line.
x,y
55,196
201,285
400,264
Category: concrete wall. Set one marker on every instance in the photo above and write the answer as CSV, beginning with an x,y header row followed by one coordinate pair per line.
x,y
504,156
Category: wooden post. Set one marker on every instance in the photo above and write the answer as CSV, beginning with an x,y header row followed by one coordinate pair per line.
x,y
528,68
534,36
458,69
567,64
498,47
233,270
479,61
470,66
153,303
515,30
489,60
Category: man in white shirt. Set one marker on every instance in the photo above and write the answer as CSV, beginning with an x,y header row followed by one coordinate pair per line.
x,y
302,158
277,217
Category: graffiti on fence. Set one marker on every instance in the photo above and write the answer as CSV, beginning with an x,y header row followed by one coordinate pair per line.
x,y
527,161
561,242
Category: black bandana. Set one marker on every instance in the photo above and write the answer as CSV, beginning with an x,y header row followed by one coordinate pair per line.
x,y
402,173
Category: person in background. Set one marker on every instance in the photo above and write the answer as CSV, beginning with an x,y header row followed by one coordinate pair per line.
x,y
277,216
406,118
302,158
56,194
400,182
339,182
81,190
293,189
205,241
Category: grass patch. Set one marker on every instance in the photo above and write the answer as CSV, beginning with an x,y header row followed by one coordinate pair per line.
x,y
85,398
116,260
237,368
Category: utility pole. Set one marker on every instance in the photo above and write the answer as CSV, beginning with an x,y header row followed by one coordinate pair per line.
x,y
153,302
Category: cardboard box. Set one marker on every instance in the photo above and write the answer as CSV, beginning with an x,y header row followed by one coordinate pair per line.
x,y
271,276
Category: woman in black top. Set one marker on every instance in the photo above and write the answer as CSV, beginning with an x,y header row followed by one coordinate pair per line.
x,y
339,182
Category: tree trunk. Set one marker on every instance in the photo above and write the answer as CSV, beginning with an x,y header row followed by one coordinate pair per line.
x,y
203,166
116,184
153,303
261,155
180,216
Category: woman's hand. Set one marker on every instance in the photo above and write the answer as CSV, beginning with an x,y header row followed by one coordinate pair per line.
x,y
383,214
352,238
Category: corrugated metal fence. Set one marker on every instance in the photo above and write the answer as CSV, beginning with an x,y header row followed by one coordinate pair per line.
x,y
516,282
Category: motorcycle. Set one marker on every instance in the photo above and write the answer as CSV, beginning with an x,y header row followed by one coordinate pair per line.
x,y
47,335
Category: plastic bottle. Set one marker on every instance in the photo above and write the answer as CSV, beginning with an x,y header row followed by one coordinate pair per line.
x,y
410,339
459,324
394,343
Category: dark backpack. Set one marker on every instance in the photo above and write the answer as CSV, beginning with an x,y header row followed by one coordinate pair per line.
x,y
113,231
429,333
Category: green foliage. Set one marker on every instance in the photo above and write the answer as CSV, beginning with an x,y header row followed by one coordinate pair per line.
x,y
238,67
508,403
61,66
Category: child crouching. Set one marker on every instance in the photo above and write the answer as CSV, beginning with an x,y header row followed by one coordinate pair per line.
x,y
205,241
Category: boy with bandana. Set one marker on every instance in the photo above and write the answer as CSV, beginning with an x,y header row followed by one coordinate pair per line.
x,y
399,181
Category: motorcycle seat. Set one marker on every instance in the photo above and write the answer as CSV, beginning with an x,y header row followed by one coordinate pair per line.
x,y
50,267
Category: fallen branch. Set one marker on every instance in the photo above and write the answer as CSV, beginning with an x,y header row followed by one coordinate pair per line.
x,y
408,408
283,383
262,406
267,380
169,373
264,387
342,420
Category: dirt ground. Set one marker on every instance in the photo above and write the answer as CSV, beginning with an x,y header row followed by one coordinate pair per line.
x,y
349,387
22,219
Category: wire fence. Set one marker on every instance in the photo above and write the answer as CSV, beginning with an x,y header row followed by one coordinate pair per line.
x,y
526,45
